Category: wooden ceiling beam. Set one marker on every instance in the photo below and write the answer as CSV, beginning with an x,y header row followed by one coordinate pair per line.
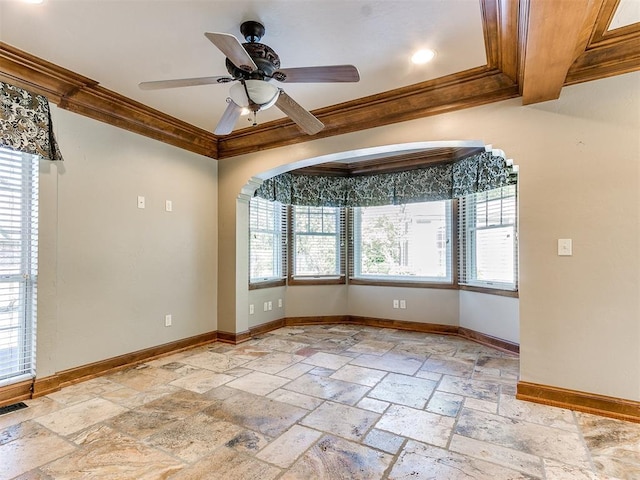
x,y
555,35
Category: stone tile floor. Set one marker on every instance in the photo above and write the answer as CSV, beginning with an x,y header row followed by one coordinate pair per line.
x,y
317,402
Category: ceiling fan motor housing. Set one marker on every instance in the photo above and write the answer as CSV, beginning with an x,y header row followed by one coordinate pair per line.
x,y
265,59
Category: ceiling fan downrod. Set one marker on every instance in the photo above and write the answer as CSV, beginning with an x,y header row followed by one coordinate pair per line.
x,y
252,31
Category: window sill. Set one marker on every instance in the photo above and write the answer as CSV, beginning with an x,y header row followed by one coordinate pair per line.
x,y
295,281
280,282
490,291
379,282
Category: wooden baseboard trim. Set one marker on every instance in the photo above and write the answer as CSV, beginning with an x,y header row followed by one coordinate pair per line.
x,y
64,378
404,325
234,338
595,404
488,340
318,320
267,327
17,392
46,385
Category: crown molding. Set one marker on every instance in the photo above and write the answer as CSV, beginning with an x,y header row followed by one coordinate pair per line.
x,y
79,94
516,39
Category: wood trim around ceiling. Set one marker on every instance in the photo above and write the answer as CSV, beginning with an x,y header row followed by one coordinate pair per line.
x,y
82,95
523,55
616,55
395,163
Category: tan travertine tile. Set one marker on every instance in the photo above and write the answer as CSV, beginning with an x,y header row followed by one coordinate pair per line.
x,y
295,398
151,421
29,446
202,381
360,375
334,458
417,424
258,383
403,390
107,454
513,459
228,464
531,438
286,449
418,460
341,420
80,416
327,360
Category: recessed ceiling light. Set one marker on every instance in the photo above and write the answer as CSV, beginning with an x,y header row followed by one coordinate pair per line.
x,y
423,56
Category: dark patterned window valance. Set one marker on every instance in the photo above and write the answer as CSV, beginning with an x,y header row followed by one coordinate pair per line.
x,y
25,123
473,174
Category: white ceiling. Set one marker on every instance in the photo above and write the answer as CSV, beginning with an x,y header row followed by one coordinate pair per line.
x,y
121,43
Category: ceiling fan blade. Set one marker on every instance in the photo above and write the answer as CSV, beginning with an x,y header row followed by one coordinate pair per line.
x,y
329,73
233,50
228,119
182,82
304,119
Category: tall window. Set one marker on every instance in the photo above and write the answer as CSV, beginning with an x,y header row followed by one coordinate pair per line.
x,y
266,238
488,239
403,242
18,264
318,241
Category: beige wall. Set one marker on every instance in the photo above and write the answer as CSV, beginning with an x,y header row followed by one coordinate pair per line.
x,y
424,305
580,177
109,272
493,315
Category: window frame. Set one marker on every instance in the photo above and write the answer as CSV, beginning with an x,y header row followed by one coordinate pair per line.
x,y
340,237
467,244
24,314
406,280
280,258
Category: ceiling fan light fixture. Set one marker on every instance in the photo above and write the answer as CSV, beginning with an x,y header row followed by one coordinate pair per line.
x,y
260,92
423,56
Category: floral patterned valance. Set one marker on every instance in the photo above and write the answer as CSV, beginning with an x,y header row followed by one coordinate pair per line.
x,y
25,123
473,174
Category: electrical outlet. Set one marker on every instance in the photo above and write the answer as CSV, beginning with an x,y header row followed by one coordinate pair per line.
x,y
266,306
252,309
396,304
140,201
270,305
168,205
167,320
279,303
403,304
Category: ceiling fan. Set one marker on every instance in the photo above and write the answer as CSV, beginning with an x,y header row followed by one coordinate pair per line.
x,y
252,65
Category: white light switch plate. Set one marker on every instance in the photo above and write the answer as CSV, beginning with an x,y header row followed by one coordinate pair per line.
x,y
565,247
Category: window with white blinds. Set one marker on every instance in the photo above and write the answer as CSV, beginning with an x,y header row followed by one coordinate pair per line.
x,y
488,243
18,264
318,237
267,227
409,242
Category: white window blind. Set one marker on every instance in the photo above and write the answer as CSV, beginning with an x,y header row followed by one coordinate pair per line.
x,y
488,245
318,241
18,264
405,242
266,240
